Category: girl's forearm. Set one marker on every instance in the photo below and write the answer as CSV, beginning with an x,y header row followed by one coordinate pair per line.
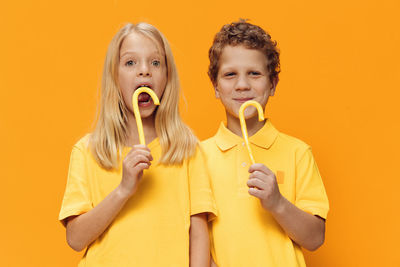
x,y
85,228
303,228
199,241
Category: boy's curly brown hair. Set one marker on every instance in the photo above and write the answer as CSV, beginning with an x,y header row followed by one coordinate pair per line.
x,y
249,35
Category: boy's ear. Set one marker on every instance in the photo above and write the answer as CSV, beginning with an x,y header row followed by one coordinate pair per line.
x,y
216,91
274,83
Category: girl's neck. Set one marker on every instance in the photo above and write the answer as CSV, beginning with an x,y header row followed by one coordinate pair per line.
x,y
149,130
253,125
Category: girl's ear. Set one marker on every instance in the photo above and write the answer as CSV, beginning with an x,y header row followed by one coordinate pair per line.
x,y
274,83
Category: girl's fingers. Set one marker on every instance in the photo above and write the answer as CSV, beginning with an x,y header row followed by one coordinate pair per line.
x,y
140,159
142,166
140,147
145,152
136,159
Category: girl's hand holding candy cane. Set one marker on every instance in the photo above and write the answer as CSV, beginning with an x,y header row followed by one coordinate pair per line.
x,y
139,158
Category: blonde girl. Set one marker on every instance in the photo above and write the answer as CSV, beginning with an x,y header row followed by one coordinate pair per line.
x,y
130,204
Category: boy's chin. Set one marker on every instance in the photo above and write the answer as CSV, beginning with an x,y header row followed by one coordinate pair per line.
x,y
249,113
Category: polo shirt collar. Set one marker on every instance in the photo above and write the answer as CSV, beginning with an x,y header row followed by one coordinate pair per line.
x,y
264,138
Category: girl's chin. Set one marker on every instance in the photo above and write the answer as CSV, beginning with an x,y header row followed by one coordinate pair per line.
x,y
145,113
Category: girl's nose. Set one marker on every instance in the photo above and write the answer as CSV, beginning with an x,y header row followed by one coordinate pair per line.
x,y
144,71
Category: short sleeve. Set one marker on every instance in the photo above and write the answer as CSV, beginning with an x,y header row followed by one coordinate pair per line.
x,y
76,199
201,195
310,191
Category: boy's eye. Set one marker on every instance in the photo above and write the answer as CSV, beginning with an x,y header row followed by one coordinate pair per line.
x,y
228,74
130,63
254,73
156,63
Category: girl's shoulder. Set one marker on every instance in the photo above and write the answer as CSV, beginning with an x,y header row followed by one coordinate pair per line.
x,y
83,143
81,151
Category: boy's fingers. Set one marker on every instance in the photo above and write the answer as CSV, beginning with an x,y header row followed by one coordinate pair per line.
x,y
260,167
255,192
254,182
258,175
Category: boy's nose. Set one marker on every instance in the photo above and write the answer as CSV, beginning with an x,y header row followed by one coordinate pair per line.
x,y
242,84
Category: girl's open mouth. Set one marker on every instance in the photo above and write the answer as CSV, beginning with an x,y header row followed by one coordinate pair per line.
x,y
144,100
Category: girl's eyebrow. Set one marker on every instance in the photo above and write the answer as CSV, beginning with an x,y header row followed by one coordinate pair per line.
x,y
155,53
126,53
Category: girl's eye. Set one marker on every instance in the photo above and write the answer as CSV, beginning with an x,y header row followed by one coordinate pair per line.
x,y
156,63
129,63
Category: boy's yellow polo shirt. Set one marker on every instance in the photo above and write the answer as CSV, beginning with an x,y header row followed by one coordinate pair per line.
x,y
244,234
152,229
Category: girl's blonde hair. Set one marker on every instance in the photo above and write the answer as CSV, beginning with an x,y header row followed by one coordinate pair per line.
x,y
110,135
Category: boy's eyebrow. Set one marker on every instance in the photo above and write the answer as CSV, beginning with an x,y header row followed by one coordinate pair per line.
x,y
226,67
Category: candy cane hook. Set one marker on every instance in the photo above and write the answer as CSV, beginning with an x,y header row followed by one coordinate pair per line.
x,y
243,123
136,109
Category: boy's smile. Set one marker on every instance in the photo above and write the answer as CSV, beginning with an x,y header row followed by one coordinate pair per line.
x,y
242,76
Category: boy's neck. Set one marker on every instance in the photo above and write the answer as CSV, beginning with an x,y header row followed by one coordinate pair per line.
x,y
253,125
149,130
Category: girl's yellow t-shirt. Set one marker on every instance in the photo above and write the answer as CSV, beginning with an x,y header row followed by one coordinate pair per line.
x,y
152,229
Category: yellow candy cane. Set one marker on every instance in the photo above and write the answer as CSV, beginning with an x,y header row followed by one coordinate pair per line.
x,y
243,122
136,109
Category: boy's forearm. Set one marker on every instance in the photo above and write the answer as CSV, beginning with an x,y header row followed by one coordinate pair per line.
x,y
303,228
82,230
199,241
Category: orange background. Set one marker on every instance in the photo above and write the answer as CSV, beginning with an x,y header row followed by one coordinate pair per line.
x,y
339,91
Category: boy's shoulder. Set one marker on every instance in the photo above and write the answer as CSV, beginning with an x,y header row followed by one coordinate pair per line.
x,y
208,143
288,145
291,141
